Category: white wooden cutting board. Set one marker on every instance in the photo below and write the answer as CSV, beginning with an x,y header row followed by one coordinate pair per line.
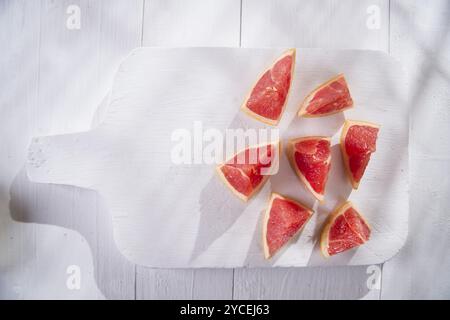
x,y
169,215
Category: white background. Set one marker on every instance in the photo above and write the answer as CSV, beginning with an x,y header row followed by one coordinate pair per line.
x,y
52,79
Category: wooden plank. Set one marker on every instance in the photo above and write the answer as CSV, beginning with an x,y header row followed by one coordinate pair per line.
x,y
71,109
193,23
75,68
304,283
400,282
183,283
56,247
420,39
323,23
19,34
346,24
34,259
120,31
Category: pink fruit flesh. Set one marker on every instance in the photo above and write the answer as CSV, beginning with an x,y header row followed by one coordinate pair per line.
x,y
311,158
331,98
348,231
270,92
244,171
286,218
360,143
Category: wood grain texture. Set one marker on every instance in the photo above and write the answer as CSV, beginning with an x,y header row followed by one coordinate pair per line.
x,y
178,23
33,258
405,276
308,283
78,54
73,71
311,24
315,23
120,29
184,283
191,23
420,39
90,55
191,85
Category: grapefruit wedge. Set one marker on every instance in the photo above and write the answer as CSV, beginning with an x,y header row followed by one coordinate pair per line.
x,y
268,97
329,98
358,142
345,229
310,158
283,219
247,171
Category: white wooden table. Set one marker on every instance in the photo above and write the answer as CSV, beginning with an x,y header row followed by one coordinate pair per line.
x,y
53,75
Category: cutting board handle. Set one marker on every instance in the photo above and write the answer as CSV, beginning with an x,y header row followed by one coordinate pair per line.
x,y
63,159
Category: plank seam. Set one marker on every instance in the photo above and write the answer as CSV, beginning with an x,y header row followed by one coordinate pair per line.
x,y
142,22
142,42
240,25
135,282
240,44
38,87
381,281
232,286
389,27
389,52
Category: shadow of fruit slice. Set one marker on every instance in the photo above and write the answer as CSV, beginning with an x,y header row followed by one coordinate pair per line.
x,y
246,172
329,98
345,229
267,99
283,219
310,157
358,142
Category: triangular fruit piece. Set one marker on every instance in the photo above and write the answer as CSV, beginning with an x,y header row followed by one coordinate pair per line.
x,y
331,97
247,171
283,219
346,228
310,158
358,142
268,97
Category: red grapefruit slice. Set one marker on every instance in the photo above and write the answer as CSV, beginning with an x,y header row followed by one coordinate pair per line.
x,y
268,97
346,228
283,219
247,171
331,97
358,142
310,158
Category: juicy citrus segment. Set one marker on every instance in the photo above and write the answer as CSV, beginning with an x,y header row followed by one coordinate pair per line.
x,y
358,142
311,158
284,218
346,228
268,97
247,171
238,180
331,97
